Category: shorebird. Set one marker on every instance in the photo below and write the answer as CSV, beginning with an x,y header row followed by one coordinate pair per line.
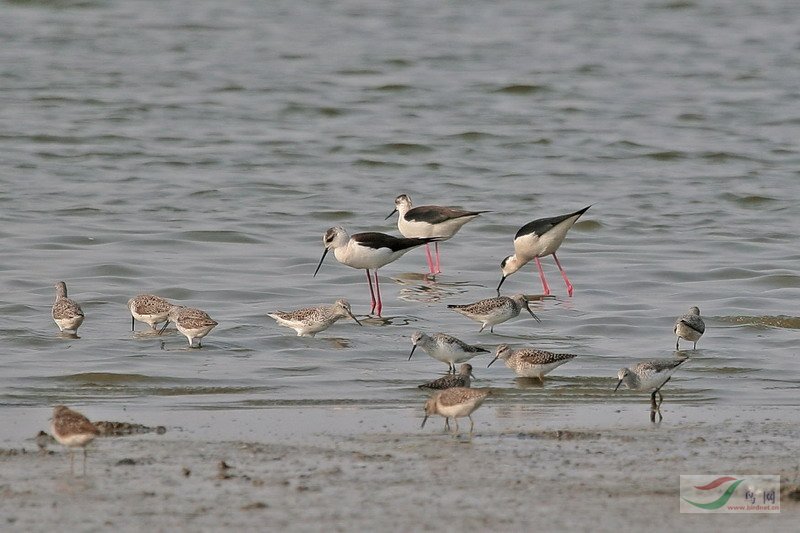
x,y
462,379
370,251
445,348
455,403
649,375
690,327
430,221
530,363
72,429
493,311
67,314
192,323
309,321
148,308
536,239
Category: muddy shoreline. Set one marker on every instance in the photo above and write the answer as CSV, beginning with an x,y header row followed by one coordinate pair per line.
x,y
553,479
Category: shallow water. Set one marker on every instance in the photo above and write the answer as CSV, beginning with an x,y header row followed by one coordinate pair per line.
x,y
199,150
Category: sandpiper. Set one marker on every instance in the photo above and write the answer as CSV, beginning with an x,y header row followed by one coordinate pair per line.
x,y
493,311
67,314
72,429
530,363
148,308
690,327
192,323
455,403
445,348
368,251
430,221
647,375
462,379
309,321
536,239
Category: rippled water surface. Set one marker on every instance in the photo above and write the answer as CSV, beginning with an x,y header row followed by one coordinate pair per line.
x,y
199,150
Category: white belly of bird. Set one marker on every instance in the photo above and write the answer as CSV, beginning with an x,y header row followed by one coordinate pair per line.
x,y
364,257
531,245
535,371
150,319
654,381
685,332
69,324
447,354
460,410
444,230
79,439
194,333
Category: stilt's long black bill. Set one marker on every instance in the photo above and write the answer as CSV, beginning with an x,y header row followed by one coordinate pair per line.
x,y
531,312
499,284
132,321
618,384
390,214
165,327
423,421
493,360
412,352
320,261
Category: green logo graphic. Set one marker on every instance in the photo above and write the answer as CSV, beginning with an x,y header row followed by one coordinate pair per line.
x,y
722,500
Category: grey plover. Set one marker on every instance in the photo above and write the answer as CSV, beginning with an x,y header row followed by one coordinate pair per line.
x,y
455,403
530,363
148,308
462,379
493,311
73,430
309,321
67,314
445,348
690,327
192,323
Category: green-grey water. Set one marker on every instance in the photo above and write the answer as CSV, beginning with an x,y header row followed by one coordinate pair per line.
x,y
199,150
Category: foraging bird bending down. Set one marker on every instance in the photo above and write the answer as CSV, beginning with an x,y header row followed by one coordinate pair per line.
x,y
430,221
536,239
530,363
493,311
647,375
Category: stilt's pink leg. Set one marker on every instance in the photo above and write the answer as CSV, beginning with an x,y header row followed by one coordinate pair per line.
x,y
438,264
371,294
545,287
564,275
430,259
378,291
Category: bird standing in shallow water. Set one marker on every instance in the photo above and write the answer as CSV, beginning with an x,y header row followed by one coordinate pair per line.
x,y
690,327
462,379
192,323
647,375
309,321
455,403
445,348
530,363
368,251
148,308
67,314
493,311
536,239
430,221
